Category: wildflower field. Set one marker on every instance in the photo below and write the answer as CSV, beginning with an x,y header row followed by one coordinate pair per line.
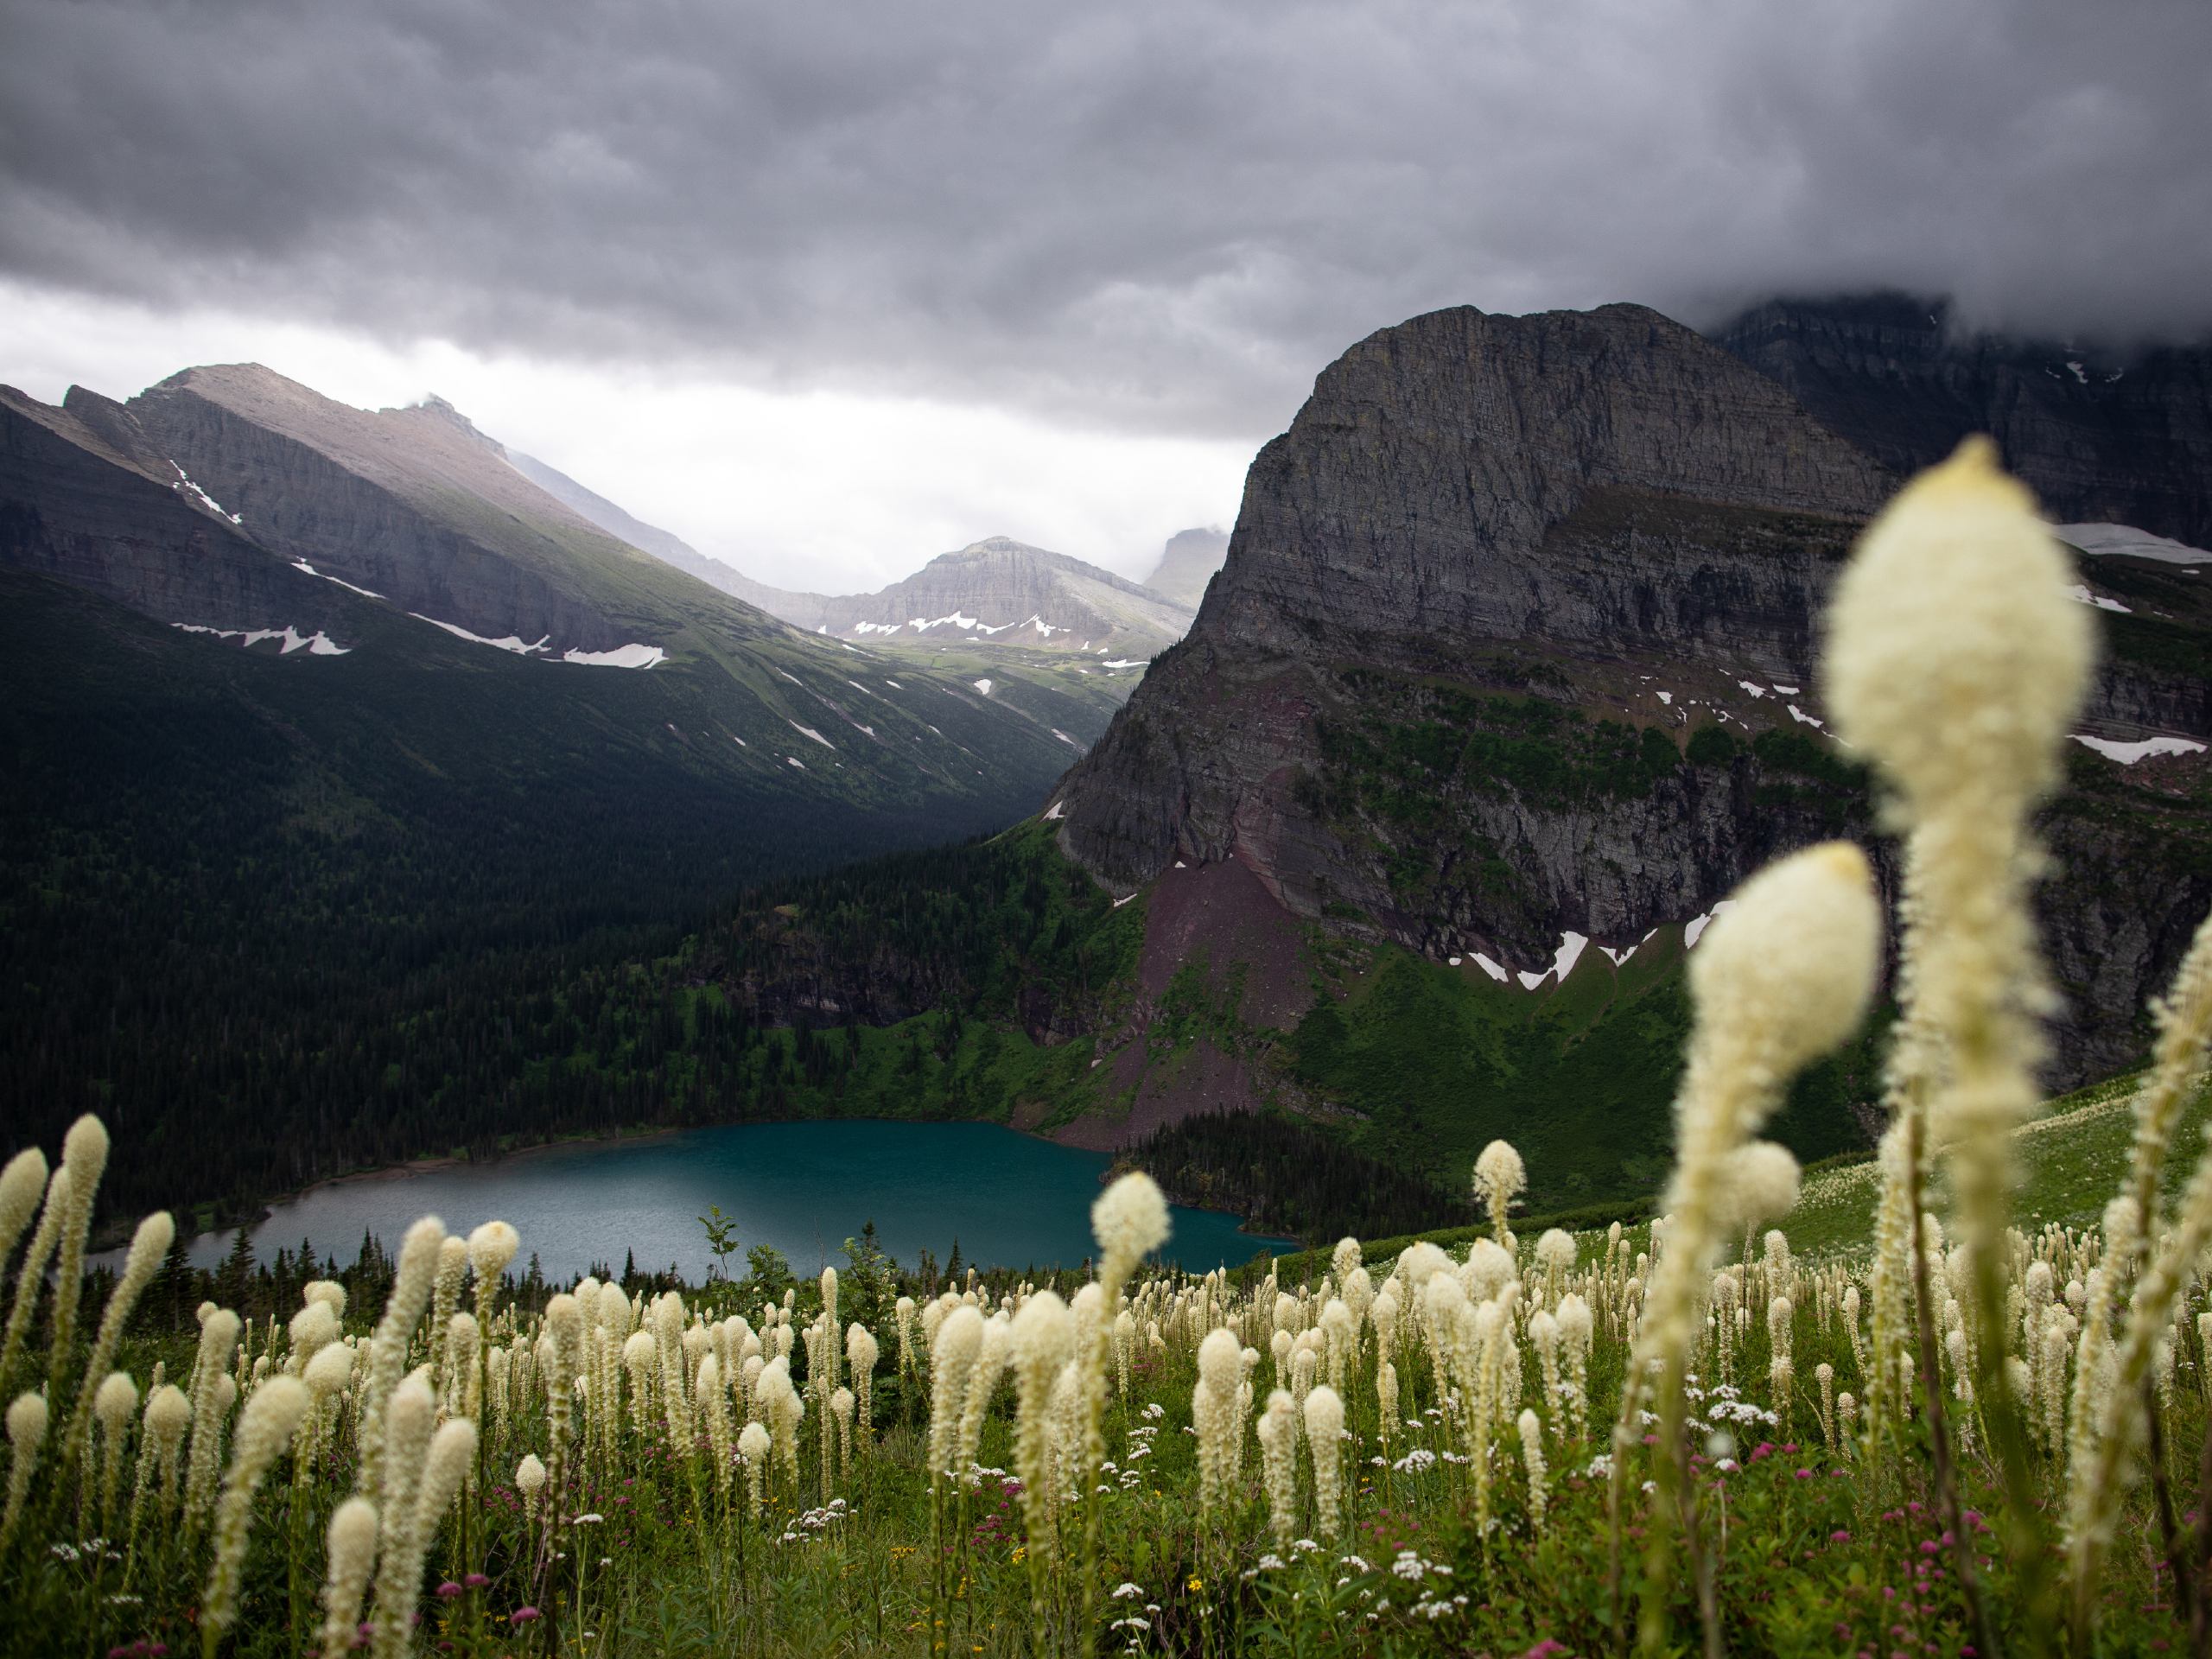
x,y
1946,1427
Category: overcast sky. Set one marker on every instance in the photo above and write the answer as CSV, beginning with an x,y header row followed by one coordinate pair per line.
x,y
826,289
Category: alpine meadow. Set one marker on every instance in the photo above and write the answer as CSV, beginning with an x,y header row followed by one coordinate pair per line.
x,y
1175,830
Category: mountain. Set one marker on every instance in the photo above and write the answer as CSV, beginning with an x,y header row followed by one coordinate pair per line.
x,y
1006,591
958,595
1509,677
2102,435
316,719
1187,564
1515,652
624,526
997,591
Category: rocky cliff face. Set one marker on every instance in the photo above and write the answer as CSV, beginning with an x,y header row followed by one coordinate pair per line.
x,y
2105,436
414,505
85,496
1517,640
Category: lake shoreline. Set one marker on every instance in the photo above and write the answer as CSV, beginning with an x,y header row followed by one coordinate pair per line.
x,y
363,1185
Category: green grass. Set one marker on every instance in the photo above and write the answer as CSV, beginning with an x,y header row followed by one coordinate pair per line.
x,y
2070,1162
1439,1061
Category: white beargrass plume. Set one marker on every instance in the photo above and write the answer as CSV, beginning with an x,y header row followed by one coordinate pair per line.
x,y
31,1274
313,1328
464,1376
1556,1255
564,1336
21,1184
640,1354
530,1480
2185,1020
453,1269
1386,1402
1215,1416
1279,1465
203,1461
1499,1175
676,1405
1325,1428
1044,1341
1782,1368
861,1356
841,1408
25,1433
272,1415
1956,662
781,1410
754,1446
409,1417
84,1150
1341,1335
902,1314
326,1376
1577,1328
1531,1430
353,1541
1782,976
713,1405
952,1357
410,1294
148,1245
991,1359
491,1247
446,1467
114,1404
169,1414
1544,1337
328,1292
1824,1376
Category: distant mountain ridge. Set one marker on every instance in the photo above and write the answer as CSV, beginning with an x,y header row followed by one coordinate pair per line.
x,y
2101,436
995,590
1187,564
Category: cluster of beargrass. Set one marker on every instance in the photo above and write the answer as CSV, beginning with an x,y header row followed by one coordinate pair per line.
x,y
1962,1439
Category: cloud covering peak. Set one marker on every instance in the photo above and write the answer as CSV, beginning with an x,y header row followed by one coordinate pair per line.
x,y
1159,216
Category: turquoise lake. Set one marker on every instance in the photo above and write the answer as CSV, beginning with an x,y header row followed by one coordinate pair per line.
x,y
1008,1199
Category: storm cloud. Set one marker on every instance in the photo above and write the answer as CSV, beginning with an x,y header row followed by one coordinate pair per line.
x,y
1158,216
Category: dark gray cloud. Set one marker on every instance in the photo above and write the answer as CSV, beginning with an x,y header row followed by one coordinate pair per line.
x,y
1161,214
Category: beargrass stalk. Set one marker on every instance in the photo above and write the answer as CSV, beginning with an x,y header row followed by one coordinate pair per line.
x,y
1781,978
210,1384
21,1184
352,1544
1956,662
410,1419
1530,1429
26,1421
114,1404
272,1415
84,1150
30,1275
412,1288
1044,1338
148,1245
2101,1486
